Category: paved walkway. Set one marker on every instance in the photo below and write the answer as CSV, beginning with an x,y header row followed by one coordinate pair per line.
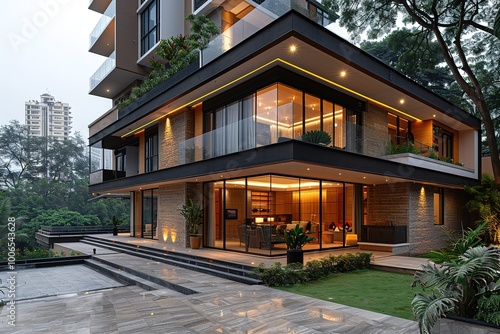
x,y
222,306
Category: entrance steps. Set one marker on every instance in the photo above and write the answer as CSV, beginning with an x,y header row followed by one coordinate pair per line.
x,y
228,270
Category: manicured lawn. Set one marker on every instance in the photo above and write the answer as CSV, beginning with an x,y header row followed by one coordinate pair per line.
x,y
373,290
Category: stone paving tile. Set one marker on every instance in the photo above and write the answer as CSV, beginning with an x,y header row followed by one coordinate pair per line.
x,y
53,281
249,309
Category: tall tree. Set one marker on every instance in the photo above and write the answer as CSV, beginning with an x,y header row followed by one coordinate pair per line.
x,y
464,31
19,155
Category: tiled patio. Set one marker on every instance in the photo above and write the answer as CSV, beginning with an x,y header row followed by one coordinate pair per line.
x,y
221,306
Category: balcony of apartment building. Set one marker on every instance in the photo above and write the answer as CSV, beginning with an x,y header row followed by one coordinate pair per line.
x,y
111,38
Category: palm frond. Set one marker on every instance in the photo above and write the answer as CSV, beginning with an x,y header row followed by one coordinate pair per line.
x,y
428,309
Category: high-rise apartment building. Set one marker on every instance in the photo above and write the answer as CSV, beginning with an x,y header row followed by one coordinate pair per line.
x,y
234,131
48,117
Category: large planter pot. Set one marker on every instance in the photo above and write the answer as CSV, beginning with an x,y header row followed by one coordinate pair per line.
x,y
295,256
115,231
454,324
195,241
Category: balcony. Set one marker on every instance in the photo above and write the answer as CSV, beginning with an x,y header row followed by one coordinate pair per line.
x,y
102,37
99,6
101,73
261,16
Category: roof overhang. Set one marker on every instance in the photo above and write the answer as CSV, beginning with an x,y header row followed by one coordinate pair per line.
x,y
291,158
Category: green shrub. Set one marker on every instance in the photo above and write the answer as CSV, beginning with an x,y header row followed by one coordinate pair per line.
x,y
488,309
405,147
295,273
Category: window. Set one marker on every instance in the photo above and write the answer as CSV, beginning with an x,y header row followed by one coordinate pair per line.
x,y
438,206
442,143
399,129
151,150
120,160
150,26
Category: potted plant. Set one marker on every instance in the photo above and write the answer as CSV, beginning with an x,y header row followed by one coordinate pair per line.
x,y
295,239
317,137
115,222
193,215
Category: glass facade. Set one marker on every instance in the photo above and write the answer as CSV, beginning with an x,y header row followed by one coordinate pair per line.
x,y
251,214
276,113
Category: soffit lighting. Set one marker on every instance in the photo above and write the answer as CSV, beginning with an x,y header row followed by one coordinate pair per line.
x,y
343,74
293,48
272,62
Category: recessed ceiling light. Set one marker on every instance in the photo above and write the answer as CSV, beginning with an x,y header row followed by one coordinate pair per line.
x,y
402,101
107,90
343,73
293,48
364,177
340,173
308,168
434,115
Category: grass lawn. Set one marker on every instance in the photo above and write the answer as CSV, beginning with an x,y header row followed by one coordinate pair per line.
x,y
373,290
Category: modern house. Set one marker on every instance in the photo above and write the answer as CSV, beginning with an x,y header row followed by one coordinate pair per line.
x,y
230,131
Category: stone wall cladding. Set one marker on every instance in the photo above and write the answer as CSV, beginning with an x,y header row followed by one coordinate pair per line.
x,y
375,135
423,235
388,203
172,131
412,204
171,197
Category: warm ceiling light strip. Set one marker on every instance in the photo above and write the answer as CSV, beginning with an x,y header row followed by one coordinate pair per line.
x,y
198,100
346,89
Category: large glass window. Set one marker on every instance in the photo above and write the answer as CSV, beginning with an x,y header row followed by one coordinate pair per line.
x,y
274,114
150,26
251,214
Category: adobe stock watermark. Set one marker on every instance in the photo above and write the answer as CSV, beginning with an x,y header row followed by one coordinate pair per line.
x,y
32,25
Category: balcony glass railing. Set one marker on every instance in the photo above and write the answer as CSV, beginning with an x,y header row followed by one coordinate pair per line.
x,y
103,71
261,16
106,18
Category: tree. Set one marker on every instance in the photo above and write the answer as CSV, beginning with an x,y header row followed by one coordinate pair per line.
x,y
464,31
19,155
405,51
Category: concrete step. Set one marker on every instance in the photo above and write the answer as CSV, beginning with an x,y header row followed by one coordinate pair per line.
x,y
227,270
124,276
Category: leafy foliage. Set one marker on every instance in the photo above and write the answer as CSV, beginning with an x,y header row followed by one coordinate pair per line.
x,y
40,183
174,54
489,309
296,273
405,147
486,202
317,137
469,239
296,237
193,214
461,31
456,286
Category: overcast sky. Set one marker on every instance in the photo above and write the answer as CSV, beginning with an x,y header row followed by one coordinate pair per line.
x,y
44,49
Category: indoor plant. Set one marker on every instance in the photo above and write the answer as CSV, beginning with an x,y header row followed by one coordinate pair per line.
x,y
193,214
295,238
317,137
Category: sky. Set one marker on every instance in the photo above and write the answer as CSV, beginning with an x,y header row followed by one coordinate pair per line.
x,y
44,49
